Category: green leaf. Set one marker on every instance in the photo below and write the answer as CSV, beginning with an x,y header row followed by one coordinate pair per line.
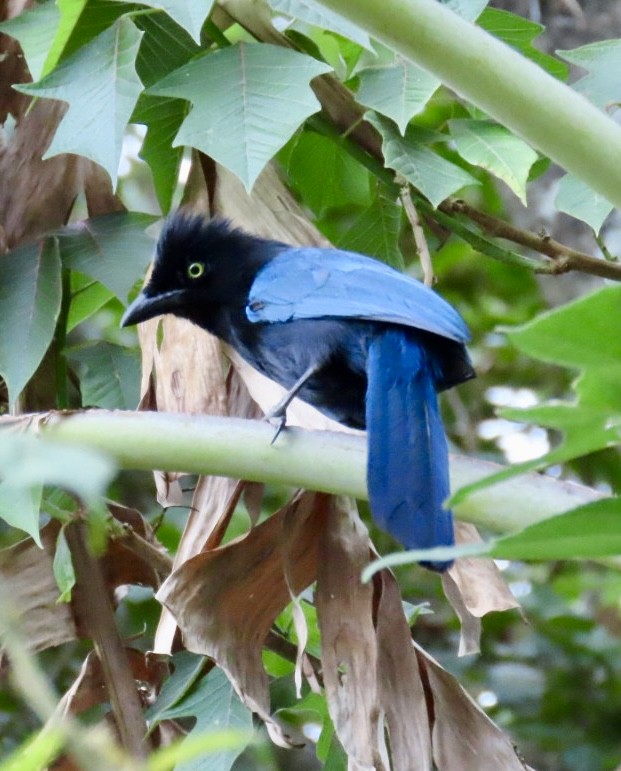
x,y
63,567
100,84
317,15
216,708
579,200
113,249
376,231
188,15
35,30
28,461
30,296
580,334
519,33
593,421
435,177
486,144
87,297
602,60
38,751
324,175
247,102
110,376
399,91
186,668
164,48
19,507
587,532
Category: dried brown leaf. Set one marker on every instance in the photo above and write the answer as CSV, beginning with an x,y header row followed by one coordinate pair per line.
x,y
474,587
348,639
225,600
464,738
28,580
401,692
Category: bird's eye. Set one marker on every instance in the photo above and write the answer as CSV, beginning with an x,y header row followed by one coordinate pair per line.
x,y
196,269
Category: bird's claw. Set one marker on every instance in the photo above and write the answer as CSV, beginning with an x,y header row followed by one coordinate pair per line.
x,y
278,417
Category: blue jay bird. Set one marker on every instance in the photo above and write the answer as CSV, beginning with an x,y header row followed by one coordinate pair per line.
x,y
366,345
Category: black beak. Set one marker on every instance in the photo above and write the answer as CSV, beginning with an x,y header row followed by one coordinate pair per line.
x,y
147,307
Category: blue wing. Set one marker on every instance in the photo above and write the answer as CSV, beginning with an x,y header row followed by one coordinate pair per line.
x,y
303,283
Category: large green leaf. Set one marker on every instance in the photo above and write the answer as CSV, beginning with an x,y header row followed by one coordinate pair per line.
x,y
323,174
376,231
399,91
576,198
519,33
314,13
87,297
491,146
216,707
113,249
247,101
100,84
587,532
35,30
577,336
164,48
30,296
602,61
110,376
435,177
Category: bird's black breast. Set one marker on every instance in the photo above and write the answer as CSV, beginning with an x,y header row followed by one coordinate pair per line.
x,y
285,351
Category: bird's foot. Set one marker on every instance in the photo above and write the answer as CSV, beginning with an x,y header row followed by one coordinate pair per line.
x,y
277,417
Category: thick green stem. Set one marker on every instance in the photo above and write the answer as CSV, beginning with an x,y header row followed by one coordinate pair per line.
x,y
333,462
549,115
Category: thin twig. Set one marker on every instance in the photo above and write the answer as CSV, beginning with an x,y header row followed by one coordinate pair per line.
x,y
417,230
565,258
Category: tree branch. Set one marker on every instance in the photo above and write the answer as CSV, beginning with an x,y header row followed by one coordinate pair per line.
x,y
333,462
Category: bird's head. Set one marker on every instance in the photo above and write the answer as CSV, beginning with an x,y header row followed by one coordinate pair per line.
x,y
199,265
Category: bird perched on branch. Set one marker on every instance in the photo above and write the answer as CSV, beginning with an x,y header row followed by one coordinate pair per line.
x,y
363,343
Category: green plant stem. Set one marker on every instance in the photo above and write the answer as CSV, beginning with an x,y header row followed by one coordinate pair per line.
x,y
333,462
553,118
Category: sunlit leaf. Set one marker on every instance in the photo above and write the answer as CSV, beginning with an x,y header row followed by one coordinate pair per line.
x,y
491,146
247,102
435,177
87,297
324,175
519,33
100,84
30,296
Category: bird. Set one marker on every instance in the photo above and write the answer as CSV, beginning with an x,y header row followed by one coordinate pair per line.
x,y
367,345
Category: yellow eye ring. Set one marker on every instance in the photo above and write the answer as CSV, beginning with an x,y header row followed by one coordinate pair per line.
x,y
196,269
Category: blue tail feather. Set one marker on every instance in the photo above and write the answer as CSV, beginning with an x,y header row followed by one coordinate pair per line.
x,y
407,472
